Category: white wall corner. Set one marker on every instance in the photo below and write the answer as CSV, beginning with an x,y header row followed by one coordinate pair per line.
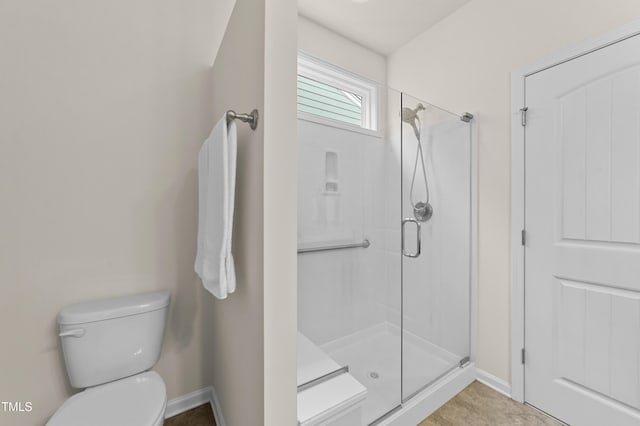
x,y
194,399
517,225
221,16
494,382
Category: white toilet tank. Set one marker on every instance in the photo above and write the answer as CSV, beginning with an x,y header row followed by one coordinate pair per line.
x,y
106,340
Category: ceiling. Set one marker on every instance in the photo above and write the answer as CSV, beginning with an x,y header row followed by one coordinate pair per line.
x,y
380,25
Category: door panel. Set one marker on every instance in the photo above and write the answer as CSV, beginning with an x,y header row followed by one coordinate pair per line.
x,y
582,209
436,262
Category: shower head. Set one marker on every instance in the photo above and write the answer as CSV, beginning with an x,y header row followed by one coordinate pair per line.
x,y
422,210
411,115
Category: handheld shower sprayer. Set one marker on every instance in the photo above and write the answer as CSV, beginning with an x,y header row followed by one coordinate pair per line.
x,y
410,116
422,210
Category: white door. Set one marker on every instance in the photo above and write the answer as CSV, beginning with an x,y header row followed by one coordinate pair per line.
x,y
582,256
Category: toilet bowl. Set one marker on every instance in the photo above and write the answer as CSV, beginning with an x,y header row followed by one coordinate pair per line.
x,y
136,400
109,346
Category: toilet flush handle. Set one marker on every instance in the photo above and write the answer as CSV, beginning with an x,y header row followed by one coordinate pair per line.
x,y
75,332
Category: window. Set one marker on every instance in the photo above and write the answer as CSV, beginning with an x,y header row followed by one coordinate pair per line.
x,y
326,92
324,100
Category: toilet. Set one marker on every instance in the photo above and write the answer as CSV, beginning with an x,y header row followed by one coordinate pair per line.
x,y
109,345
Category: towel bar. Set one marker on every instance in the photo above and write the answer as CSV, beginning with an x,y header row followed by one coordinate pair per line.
x,y
251,118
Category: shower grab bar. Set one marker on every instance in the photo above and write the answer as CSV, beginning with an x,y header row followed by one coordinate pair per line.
x,y
364,244
324,378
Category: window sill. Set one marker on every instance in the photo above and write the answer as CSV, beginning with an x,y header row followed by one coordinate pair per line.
x,y
338,125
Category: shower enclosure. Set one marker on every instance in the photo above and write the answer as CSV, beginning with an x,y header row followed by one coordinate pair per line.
x,y
384,257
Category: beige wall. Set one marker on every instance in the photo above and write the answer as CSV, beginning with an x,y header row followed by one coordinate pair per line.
x,y
250,351
464,64
234,332
104,107
331,47
280,213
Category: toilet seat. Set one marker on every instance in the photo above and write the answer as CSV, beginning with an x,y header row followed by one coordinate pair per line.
x,y
138,400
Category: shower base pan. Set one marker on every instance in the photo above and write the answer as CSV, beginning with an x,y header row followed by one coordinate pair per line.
x,y
374,358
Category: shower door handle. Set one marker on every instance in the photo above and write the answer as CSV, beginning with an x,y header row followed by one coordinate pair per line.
x,y
418,238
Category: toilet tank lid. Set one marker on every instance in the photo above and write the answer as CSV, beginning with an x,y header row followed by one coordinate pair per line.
x,y
99,310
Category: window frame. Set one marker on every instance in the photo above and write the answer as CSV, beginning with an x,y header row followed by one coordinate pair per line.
x,y
324,72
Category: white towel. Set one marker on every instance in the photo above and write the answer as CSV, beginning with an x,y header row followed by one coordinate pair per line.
x,y
231,184
216,193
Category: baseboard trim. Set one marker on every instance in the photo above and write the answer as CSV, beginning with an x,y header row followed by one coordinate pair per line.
x,y
494,382
217,410
187,402
194,399
208,395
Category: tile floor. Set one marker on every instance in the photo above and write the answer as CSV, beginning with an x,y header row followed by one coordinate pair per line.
x,y
477,405
199,416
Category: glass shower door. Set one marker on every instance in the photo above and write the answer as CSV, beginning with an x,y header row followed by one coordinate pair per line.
x,y
436,241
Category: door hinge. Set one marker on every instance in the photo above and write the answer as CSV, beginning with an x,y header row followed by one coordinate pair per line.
x,y
523,112
523,237
464,361
522,356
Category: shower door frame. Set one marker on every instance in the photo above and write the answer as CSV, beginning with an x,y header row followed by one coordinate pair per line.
x,y
427,400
